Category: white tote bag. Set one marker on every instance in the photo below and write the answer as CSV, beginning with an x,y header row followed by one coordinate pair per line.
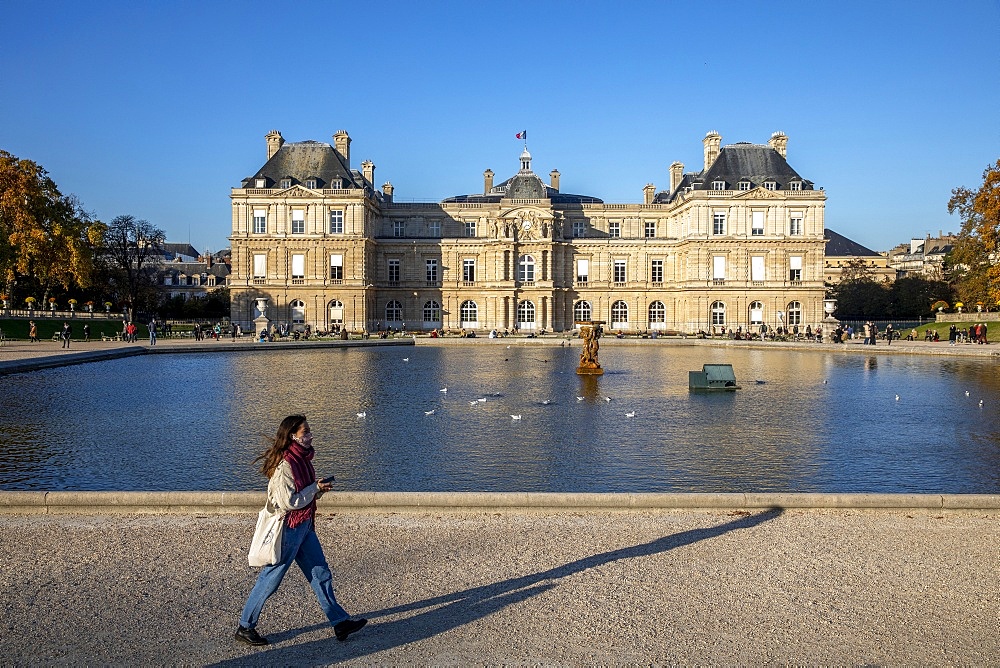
x,y
265,548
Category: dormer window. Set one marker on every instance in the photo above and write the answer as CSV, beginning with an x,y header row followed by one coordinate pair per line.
x,y
336,184
718,185
311,184
744,185
286,183
770,185
260,183
795,185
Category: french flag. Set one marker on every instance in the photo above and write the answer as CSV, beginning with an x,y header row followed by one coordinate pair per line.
x,y
523,134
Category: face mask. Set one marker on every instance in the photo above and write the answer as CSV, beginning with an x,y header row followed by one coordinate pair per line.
x,y
305,441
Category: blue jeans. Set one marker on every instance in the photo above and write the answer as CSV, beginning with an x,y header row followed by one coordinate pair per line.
x,y
301,546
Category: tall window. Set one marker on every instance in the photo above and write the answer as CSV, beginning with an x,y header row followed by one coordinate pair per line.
x,y
757,268
434,228
718,223
259,221
394,311
579,229
744,185
795,185
650,229
336,221
756,313
582,271
469,313
718,185
656,271
337,267
298,221
794,313
336,312
795,224
398,228
757,223
619,315
718,269
259,265
393,270
469,270
298,266
286,183
298,311
470,228
526,315
582,311
619,271
657,315
526,269
432,271
795,268
432,312
770,185
615,230
718,313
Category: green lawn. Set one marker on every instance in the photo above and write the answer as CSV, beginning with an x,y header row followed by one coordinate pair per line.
x,y
18,329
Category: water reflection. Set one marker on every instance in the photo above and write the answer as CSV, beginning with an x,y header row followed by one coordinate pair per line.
x,y
803,421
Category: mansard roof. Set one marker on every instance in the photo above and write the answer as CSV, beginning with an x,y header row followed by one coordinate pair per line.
x,y
743,161
524,185
840,246
301,161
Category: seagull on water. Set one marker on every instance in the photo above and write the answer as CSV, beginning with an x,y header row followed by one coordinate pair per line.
x,y
579,398
430,412
546,402
406,359
481,400
897,397
966,393
980,403
362,414
608,399
632,414
443,389
515,417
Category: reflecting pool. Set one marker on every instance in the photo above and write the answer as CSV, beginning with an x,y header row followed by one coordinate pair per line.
x,y
804,421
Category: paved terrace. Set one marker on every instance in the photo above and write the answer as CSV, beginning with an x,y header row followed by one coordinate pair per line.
x,y
124,578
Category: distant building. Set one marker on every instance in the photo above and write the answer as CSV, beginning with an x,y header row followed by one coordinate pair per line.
x,y
737,243
922,257
185,272
841,252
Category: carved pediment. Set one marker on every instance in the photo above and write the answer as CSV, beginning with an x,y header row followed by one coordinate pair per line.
x,y
298,190
758,193
523,223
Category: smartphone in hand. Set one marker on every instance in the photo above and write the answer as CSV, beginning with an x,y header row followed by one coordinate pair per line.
x,y
326,479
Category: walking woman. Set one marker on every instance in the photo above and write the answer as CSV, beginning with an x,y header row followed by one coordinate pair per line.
x,y
293,488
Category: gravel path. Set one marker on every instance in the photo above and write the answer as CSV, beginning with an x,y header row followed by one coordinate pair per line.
x,y
671,587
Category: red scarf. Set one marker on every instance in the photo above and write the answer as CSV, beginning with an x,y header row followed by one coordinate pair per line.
x,y
300,459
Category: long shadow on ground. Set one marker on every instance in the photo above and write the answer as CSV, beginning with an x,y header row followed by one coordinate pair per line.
x,y
442,613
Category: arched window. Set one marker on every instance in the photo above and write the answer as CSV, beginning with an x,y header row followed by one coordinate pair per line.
x,y
298,309
469,313
657,315
394,311
582,311
619,315
432,312
756,313
794,313
526,269
336,313
718,313
526,315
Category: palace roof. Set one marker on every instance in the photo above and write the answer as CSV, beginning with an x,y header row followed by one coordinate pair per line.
x,y
305,160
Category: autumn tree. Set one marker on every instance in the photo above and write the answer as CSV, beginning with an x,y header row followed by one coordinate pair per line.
x,y
46,238
130,255
975,258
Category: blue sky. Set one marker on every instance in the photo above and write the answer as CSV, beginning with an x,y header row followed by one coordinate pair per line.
x,y
157,109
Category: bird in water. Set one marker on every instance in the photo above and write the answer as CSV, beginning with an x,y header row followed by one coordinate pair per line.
x,y
430,412
443,389
362,414
579,398
897,397
632,414
515,417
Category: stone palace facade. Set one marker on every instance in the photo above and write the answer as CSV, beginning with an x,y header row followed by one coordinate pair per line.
x,y
738,243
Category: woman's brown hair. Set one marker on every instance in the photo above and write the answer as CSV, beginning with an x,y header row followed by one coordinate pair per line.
x,y
272,457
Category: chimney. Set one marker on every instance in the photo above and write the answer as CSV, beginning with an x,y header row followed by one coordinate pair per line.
x,y
274,142
554,179
487,181
342,144
711,141
676,175
387,191
368,170
648,193
779,142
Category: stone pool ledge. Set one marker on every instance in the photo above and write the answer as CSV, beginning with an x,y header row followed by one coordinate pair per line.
x,y
105,503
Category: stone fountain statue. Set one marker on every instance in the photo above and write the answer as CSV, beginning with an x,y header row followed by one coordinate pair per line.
x,y
590,332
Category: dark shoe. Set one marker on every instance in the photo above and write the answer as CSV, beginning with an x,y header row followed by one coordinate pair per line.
x,y
250,637
347,627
